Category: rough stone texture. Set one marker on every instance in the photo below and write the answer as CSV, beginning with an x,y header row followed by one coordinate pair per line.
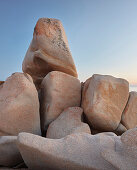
x,y
48,51
103,100
68,122
74,152
59,91
80,151
19,106
129,116
9,154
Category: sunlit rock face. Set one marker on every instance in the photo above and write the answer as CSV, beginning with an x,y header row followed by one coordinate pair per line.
x,y
48,51
129,116
58,92
68,122
103,100
19,106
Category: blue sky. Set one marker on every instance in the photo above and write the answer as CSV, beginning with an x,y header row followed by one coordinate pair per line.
x,y
102,34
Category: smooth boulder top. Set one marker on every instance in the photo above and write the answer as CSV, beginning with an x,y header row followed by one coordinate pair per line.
x,y
129,115
9,153
68,122
48,51
19,106
59,91
103,99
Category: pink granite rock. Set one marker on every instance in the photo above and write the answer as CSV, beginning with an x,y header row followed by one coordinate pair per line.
x,y
68,122
74,152
48,51
19,106
103,100
129,115
59,91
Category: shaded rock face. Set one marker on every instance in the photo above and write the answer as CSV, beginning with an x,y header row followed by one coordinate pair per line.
x,y
80,151
129,116
68,122
1,82
19,106
9,154
120,129
48,51
59,91
103,100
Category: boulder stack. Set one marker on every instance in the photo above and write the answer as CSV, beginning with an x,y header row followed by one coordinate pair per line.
x,y
85,126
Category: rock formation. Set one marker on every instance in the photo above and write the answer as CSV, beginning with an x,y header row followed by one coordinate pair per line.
x,y
79,121
48,51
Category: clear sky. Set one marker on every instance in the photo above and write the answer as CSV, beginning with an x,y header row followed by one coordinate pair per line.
x,y
102,34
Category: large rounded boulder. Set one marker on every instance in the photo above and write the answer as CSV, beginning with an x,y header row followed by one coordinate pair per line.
x,y
48,51
19,106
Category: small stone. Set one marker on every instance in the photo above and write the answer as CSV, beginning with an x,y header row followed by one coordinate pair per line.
x,y
68,122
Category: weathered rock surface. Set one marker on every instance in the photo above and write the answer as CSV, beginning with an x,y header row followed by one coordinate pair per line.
x,y
9,153
80,151
103,100
48,51
76,151
129,116
68,122
59,91
19,106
